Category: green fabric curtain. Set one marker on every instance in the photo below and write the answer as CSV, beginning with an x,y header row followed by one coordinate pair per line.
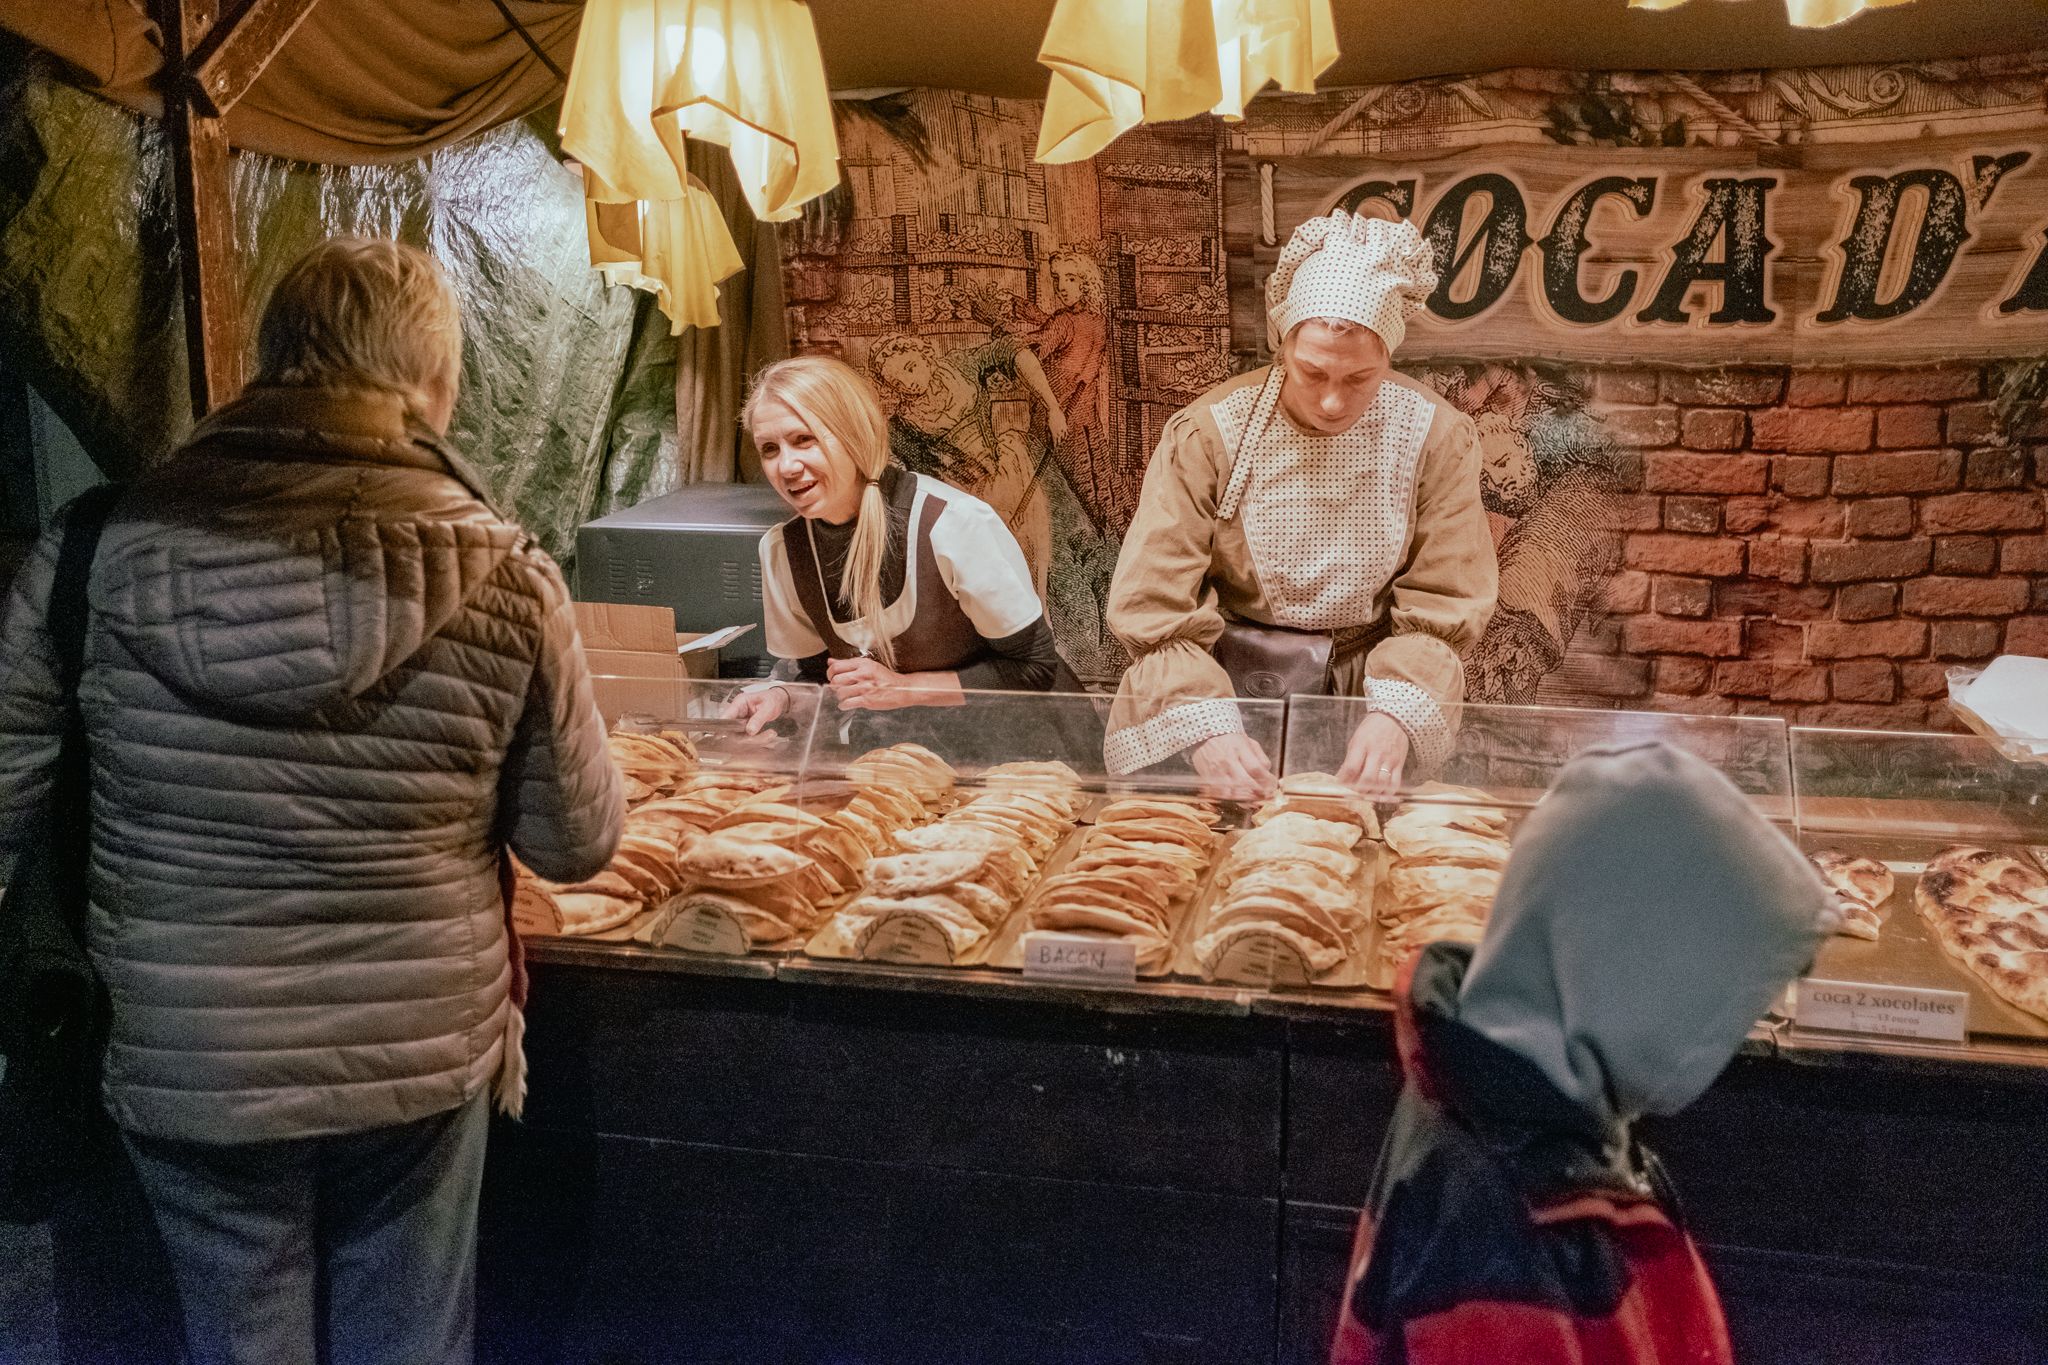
x,y
569,388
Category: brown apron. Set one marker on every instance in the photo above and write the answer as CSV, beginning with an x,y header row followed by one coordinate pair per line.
x,y
939,638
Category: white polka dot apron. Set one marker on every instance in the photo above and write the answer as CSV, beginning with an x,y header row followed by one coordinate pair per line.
x,y
1326,518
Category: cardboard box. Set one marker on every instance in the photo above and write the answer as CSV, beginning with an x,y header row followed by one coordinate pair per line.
x,y
641,658
632,652
701,650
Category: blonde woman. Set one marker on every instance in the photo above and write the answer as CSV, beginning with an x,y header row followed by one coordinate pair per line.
x,y
892,587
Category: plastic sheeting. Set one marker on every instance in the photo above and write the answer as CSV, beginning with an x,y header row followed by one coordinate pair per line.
x,y
568,393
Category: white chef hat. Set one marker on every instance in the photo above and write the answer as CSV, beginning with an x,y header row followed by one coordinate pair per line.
x,y
1372,271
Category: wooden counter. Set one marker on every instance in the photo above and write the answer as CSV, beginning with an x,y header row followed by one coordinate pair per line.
x,y
746,1161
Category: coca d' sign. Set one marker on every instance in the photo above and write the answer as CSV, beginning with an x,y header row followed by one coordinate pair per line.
x,y
1819,254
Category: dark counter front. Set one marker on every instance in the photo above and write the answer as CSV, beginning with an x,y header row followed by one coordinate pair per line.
x,y
723,1161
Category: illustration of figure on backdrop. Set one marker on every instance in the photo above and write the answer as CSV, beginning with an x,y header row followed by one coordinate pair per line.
x,y
1071,342
1546,472
965,417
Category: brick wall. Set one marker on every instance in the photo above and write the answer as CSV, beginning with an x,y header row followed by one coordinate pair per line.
x,y
1820,545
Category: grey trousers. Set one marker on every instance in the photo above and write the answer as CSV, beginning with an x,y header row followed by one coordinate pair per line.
x,y
356,1249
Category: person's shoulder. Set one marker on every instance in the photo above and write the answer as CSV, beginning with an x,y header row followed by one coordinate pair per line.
x,y
1219,394
958,508
1193,439
1446,420
1415,386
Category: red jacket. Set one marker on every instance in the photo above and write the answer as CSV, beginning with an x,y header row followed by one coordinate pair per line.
x,y
1507,1225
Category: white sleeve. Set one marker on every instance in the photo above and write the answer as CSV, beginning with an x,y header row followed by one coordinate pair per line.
x,y
788,630
984,567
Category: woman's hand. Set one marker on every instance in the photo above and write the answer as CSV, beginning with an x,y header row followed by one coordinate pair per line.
x,y
1374,759
1233,768
759,707
1056,423
869,685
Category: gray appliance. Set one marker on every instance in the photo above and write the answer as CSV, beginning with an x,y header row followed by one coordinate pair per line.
x,y
696,550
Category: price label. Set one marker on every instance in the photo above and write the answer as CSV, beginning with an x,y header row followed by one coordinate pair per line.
x,y
704,927
909,939
534,912
1080,957
1262,960
1890,1011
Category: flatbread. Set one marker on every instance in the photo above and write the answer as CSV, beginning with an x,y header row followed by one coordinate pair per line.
x,y
1416,889
1452,924
1448,833
717,860
1324,797
1293,827
1082,917
1132,882
984,902
758,811
590,912
911,874
1989,910
1148,807
1301,880
1303,917
1861,888
1338,866
1186,833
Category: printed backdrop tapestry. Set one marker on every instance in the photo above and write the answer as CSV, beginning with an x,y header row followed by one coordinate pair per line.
x,y
1756,357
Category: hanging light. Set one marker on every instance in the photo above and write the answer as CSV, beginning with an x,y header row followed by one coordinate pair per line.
x,y
651,74
1118,63
1803,13
677,248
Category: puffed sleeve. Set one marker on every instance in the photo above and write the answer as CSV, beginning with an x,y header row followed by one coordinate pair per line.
x,y
788,630
982,565
1162,608
1443,595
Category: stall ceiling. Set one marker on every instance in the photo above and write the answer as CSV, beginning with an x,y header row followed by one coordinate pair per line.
x,y
991,46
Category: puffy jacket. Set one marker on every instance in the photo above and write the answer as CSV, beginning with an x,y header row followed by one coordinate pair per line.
x,y
325,686
1508,1224
1647,918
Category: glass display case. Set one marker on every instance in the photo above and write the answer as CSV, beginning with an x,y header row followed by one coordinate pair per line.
x,y
1025,842
1445,831
688,762
1937,845
969,836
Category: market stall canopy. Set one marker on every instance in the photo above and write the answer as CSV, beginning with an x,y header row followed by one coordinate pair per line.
x,y
992,49
369,81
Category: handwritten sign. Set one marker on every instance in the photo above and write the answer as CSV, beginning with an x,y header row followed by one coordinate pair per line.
x,y
1261,960
1890,1011
534,912
1080,957
909,939
699,926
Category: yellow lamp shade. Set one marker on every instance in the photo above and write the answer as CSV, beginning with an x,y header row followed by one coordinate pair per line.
x,y
1118,63
677,248
1802,13
651,74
